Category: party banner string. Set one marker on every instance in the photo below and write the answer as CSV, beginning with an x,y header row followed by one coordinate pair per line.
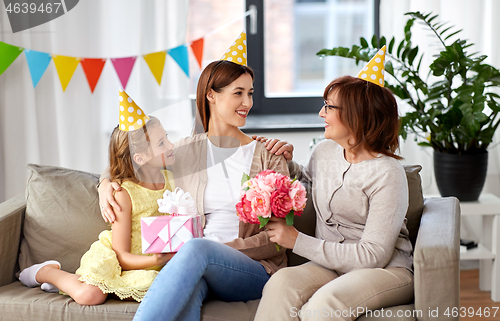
x,y
66,65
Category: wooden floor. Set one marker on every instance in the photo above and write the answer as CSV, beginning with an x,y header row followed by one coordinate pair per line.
x,y
472,299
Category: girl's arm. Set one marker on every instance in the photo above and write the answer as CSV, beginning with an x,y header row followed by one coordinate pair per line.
x,y
121,238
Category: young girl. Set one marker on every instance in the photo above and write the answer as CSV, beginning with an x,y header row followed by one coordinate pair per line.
x,y
138,154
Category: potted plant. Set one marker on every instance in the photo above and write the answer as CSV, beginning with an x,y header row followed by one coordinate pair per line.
x,y
453,108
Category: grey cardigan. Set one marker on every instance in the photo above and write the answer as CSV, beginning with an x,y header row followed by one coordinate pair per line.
x,y
360,220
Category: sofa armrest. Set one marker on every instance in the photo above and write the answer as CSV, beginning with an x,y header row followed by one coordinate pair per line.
x,y
437,259
11,218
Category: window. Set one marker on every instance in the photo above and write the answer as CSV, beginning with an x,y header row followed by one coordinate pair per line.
x,y
289,77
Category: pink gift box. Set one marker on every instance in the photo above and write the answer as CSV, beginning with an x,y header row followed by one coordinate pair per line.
x,y
168,233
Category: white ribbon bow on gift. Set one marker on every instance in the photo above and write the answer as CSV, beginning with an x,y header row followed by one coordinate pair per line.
x,y
177,203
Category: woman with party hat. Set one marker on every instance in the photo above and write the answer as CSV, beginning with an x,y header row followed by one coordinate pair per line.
x,y
139,151
234,259
361,258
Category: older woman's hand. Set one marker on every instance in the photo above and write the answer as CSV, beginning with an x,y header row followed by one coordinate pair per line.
x,y
280,233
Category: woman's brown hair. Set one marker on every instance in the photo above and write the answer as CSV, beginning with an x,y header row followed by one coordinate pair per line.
x,y
122,147
216,76
369,111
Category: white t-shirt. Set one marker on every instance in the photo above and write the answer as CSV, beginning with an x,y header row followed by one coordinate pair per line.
x,y
225,167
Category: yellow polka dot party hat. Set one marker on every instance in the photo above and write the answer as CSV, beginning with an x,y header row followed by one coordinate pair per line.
x,y
374,70
131,116
238,51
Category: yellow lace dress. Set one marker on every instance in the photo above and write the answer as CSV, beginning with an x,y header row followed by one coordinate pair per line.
x,y
99,266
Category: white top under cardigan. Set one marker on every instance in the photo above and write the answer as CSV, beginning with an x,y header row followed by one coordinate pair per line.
x,y
360,211
225,167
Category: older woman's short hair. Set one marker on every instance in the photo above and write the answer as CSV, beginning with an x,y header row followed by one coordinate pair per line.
x,y
369,111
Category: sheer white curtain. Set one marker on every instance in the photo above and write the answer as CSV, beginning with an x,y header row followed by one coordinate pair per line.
x,y
47,126
478,19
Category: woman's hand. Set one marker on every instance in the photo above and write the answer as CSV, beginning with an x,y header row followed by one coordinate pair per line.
x,y
162,258
107,199
280,233
277,146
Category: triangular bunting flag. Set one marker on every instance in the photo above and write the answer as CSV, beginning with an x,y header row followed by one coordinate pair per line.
x,y
92,69
180,55
123,67
197,47
156,62
8,54
38,63
65,67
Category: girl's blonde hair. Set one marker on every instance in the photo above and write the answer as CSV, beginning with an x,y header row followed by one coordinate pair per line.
x,y
122,148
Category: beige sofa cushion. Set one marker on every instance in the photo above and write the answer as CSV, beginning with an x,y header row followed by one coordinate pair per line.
x,y
62,216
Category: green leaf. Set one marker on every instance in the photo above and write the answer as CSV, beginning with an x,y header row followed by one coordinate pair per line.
x,y
420,62
431,18
412,55
263,221
244,178
452,34
424,144
382,42
323,52
391,45
404,55
374,41
363,42
408,26
400,47
389,68
289,217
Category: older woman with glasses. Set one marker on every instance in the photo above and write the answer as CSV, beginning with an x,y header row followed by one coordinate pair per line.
x,y
361,257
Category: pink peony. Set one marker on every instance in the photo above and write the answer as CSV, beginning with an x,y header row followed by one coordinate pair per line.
x,y
244,210
270,193
264,173
281,203
282,182
298,196
260,200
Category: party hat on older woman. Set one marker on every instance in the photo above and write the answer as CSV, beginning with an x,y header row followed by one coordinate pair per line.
x,y
374,70
237,53
132,117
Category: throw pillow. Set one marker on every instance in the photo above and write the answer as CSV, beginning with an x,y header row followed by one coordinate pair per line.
x,y
62,216
416,200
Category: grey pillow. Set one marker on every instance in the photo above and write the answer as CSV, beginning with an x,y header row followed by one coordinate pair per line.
x,y
416,200
62,216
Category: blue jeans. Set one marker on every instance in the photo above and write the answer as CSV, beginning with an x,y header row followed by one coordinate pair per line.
x,y
199,268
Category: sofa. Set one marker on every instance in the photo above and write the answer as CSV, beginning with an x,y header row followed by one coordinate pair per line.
x,y
58,218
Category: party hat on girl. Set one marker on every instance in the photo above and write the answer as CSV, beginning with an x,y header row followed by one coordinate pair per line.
x,y
131,116
237,53
374,70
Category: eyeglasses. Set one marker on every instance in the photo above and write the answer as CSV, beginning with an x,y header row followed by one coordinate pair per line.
x,y
325,104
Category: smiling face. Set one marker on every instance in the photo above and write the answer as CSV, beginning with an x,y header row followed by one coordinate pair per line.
x,y
159,153
231,105
334,128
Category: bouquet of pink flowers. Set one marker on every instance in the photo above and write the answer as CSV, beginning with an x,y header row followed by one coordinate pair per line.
x,y
270,193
